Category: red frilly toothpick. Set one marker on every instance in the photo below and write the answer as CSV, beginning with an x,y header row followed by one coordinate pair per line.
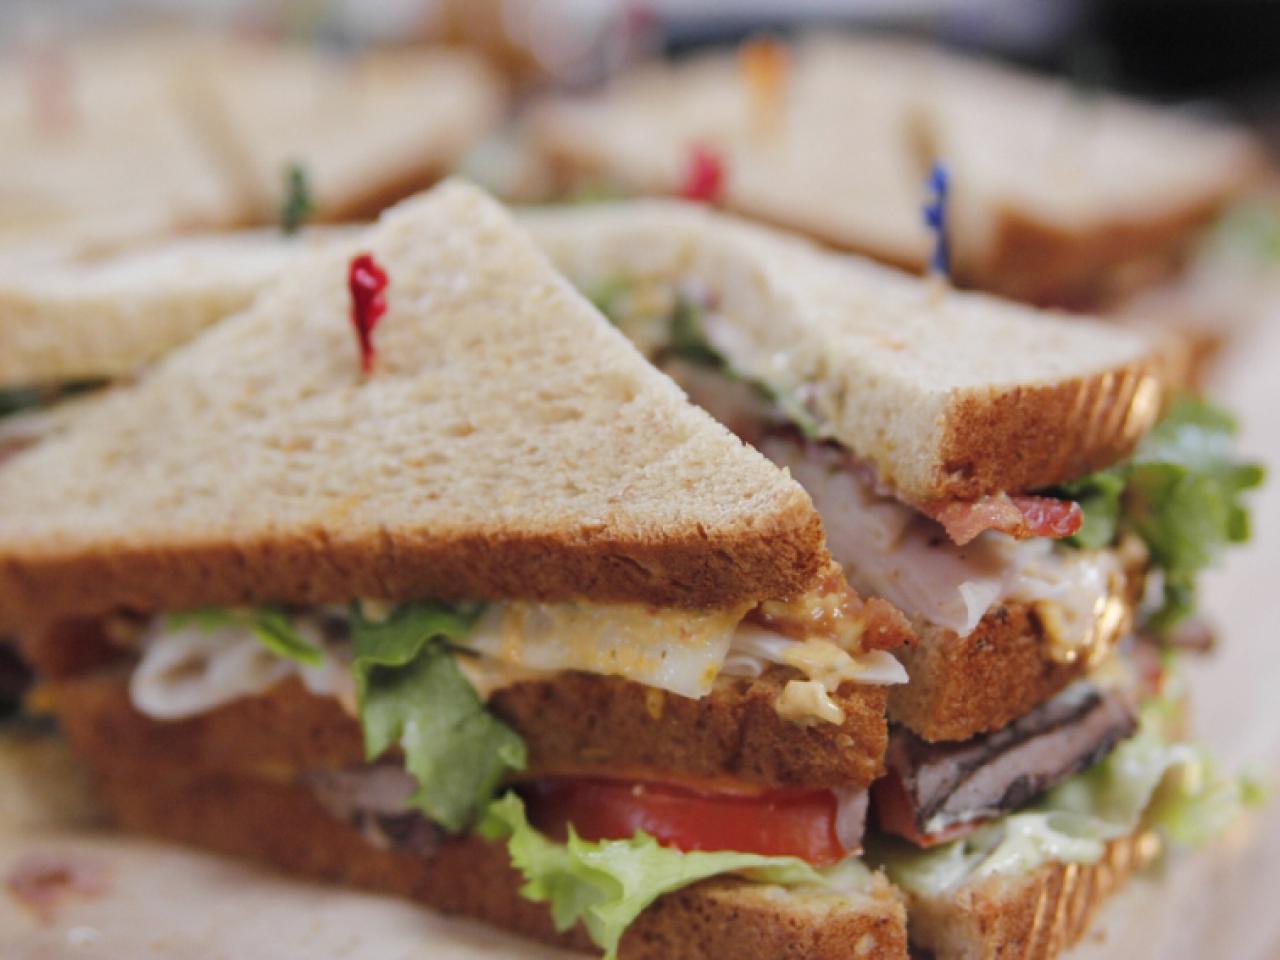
x,y
704,175
368,284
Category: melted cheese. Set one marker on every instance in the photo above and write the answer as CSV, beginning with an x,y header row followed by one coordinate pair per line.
x,y
186,671
677,650
890,550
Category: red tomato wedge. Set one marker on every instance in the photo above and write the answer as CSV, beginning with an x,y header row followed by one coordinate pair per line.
x,y
799,823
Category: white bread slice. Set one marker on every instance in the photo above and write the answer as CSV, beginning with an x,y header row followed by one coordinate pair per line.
x,y
367,129
105,154
162,131
948,394
509,444
104,317
1032,916
1056,197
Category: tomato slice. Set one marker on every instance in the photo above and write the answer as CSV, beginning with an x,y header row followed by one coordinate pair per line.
x,y
895,814
793,823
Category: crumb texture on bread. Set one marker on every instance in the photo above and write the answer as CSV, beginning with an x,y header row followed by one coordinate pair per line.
x,y
510,443
619,727
1035,916
950,395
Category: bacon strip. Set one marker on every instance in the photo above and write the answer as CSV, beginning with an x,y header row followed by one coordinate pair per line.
x,y
1020,517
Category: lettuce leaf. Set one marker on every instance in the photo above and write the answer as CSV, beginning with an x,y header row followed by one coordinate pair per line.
x,y
411,693
607,883
271,625
1171,787
1181,493
1250,228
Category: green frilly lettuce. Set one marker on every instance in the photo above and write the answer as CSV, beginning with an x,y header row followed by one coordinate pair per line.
x,y
411,693
271,625
1181,493
607,883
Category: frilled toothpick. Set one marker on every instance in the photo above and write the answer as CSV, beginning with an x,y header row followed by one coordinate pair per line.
x,y
368,284
765,64
704,175
935,218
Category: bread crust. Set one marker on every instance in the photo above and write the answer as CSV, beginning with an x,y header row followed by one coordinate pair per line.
x,y
1027,437
1081,398
1032,917
777,556
571,724
281,824
1028,260
964,686
1035,262
545,460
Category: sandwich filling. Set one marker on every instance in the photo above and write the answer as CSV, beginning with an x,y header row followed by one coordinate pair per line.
x,y
1068,552
1151,781
599,846
934,792
192,663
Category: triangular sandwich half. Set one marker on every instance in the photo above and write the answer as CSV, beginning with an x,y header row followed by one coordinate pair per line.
x,y
121,136
1058,195
294,610
1016,482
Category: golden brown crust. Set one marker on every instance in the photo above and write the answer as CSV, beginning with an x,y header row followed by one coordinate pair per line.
x,y
1039,263
777,556
1024,438
574,723
963,686
1028,260
1034,917
580,720
282,824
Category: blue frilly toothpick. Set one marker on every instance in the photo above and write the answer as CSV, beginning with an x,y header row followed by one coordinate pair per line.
x,y
935,218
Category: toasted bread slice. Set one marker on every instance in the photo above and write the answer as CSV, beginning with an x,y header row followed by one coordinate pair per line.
x,y
902,374
104,317
268,815
509,444
367,129
1058,198
282,825
619,728
961,687
1036,915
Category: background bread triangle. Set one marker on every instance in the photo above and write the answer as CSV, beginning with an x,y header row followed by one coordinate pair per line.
x,y
511,443
106,316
